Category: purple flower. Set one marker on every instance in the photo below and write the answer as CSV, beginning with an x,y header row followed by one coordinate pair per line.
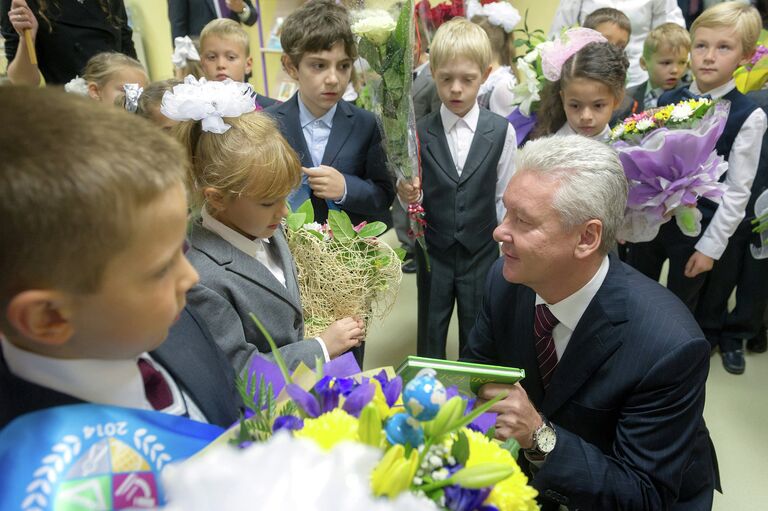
x,y
358,398
304,400
463,499
287,422
391,388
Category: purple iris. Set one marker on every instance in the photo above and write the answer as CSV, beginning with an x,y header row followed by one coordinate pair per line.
x,y
391,388
287,422
358,398
463,499
326,394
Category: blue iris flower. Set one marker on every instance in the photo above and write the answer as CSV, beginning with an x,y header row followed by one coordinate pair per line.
x,y
326,394
391,388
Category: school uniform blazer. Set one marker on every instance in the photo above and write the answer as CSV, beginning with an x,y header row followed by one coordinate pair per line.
x,y
626,398
233,285
188,17
189,354
424,92
354,149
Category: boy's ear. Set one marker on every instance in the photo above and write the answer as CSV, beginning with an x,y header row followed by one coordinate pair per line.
x,y
590,238
747,58
93,91
643,64
42,316
214,198
248,65
486,74
289,67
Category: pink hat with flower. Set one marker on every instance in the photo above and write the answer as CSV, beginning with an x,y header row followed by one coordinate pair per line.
x,y
554,55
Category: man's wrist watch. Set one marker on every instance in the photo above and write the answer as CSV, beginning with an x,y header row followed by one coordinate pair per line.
x,y
544,440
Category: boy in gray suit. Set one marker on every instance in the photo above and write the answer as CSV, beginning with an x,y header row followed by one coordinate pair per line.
x,y
467,159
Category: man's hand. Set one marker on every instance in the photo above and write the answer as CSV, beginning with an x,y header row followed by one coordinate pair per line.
x,y
517,417
326,182
409,192
236,6
22,18
698,263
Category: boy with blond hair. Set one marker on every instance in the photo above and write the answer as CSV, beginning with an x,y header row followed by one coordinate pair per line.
x,y
225,52
665,59
467,158
93,269
722,38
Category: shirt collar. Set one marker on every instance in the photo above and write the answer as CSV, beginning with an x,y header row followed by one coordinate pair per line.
x,y
600,137
306,117
717,92
450,119
655,92
112,382
420,68
231,236
569,310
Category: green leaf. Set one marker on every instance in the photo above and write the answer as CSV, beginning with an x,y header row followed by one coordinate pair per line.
x,y
400,253
316,234
341,225
482,476
460,449
520,42
295,221
511,445
308,211
372,230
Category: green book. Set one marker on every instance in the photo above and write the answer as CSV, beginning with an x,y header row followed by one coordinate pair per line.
x,y
467,377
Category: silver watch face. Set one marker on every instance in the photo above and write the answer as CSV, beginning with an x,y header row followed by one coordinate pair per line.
x,y
545,439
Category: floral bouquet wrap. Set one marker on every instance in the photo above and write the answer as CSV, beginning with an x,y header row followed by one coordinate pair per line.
x,y
761,226
386,43
340,440
754,74
343,270
669,158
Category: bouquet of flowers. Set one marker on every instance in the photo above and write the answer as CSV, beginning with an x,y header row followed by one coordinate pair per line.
x,y
343,270
363,436
386,42
669,158
761,226
754,75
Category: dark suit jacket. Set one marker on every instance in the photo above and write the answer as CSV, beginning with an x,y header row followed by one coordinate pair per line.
x,y
188,17
633,103
626,399
424,92
78,32
354,149
190,356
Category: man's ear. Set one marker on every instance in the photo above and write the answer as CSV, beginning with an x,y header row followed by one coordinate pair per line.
x,y
590,238
214,198
93,91
289,67
42,316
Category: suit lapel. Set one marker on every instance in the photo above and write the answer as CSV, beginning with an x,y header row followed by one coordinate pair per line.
x,y
289,111
437,146
480,148
596,337
343,123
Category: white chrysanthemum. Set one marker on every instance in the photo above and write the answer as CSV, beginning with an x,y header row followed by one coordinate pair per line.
x,y
617,130
526,92
681,112
77,85
282,474
644,124
374,25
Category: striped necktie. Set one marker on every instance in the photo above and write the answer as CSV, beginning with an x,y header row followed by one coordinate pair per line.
x,y
546,355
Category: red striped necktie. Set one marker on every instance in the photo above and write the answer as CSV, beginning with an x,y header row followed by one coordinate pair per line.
x,y
546,355
156,387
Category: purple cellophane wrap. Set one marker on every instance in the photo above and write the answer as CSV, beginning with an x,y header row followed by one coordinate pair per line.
x,y
669,168
522,123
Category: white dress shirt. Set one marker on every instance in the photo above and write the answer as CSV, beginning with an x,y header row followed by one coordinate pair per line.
x,y
569,311
742,168
603,136
257,248
644,16
107,382
459,132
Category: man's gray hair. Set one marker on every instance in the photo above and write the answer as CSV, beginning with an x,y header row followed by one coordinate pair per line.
x,y
592,181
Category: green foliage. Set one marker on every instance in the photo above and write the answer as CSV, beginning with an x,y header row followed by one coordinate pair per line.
x,y
341,225
372,230
295,221
460,449
308,210
259,426
512,446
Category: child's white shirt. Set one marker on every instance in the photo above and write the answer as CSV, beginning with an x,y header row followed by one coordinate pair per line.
x,y
603,136
742,168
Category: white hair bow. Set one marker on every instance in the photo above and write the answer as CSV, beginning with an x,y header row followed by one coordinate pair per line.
x,y
77,85
132,94
183,50
210,102
500,14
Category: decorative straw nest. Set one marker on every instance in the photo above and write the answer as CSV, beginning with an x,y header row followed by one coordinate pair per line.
x,y
339,278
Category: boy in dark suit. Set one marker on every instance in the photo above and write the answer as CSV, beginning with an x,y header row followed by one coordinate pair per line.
x,y
339,145
665,58
467,159
94,273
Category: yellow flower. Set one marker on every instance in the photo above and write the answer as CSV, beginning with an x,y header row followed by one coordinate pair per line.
x,y
380,402
630,126
394,473
662,115
330,429
511,494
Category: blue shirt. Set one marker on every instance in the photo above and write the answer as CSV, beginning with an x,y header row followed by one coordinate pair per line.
x,y
317,130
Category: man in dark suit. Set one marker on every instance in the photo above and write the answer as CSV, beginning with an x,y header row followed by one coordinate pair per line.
x,y
188,17
609,415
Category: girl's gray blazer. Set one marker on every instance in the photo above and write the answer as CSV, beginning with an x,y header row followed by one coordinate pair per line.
x,y
234,284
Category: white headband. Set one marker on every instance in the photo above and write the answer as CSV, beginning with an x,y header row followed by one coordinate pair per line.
x,y
500,14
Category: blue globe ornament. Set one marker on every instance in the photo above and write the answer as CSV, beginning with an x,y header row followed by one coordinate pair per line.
x,y
424,395
403,429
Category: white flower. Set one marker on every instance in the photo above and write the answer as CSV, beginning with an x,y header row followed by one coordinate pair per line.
x,y
77,85
681,112
374,25
282,474
644,124
617,131
526,92
207,101
313,226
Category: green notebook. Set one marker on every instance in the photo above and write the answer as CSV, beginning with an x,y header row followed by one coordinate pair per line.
x,y
466,376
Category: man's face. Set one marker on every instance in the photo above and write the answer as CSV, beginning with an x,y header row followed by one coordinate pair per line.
x,y
224,58
458,81
665,67
535,246
715,55
323,77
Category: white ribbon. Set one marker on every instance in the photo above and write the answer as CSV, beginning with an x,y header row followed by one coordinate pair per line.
x,y
184,50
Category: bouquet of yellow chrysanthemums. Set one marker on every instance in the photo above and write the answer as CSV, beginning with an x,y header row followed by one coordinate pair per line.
x,y
418,447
